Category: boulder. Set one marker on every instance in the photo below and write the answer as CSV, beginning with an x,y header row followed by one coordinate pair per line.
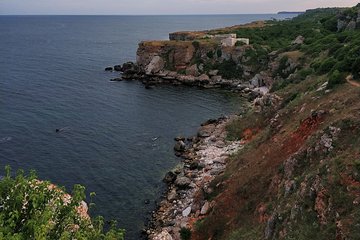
x,y
129,68
206,131
216,78
172,195
205,208
257,81
108,69
203,78
180,138
180,146
194,165
253,95
192,70
298,41
164,235
118,68
170,177
186,211
213,72
182,182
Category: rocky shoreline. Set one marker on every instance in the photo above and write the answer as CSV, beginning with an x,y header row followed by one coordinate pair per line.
x,y
203,158
130,71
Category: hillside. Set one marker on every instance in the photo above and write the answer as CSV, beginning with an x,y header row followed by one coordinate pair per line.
x,y
298,175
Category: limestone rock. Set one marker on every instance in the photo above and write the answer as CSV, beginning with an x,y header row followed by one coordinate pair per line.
x,y
205,131
192,70
156,64
203,77
213,72
182,182
186,212
205,208
351,25
298,41
257,81
270,226
172,195
164,235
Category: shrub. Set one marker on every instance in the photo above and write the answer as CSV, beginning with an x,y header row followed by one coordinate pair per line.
x,y
210,54
229,69
196,44
327,65
219,53
32,209
330,23
303,73
283,64
185,234
355,68
336,78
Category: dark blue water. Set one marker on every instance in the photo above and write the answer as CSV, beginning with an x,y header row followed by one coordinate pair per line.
x,y
51,76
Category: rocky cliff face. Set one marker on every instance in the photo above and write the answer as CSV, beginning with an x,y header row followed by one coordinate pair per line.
x,y
348,20
156,56
202,62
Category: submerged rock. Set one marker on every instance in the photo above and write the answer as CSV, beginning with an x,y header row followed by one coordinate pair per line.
x,y
119,79
108,69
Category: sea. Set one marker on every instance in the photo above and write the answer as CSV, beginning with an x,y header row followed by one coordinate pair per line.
x,y
115,138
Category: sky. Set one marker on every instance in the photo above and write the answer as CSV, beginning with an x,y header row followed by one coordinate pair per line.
x,y
152,7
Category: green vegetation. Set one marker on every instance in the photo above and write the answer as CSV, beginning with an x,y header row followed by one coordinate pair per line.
x,y
32,209
196,44
185,234
298,176
210,54
336,78
229,69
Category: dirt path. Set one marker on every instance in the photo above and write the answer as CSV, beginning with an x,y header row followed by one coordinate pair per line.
x,y
350,80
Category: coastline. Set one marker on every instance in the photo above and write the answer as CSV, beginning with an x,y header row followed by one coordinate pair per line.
x,y
203,157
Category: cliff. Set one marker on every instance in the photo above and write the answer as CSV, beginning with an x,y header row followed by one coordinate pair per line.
x,y
213,58
296,171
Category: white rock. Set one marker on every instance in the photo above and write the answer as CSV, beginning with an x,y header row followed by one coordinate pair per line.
x,y
205,208
164,235
156,64
186,212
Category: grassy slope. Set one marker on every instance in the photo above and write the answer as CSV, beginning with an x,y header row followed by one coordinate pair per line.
x,y
286,182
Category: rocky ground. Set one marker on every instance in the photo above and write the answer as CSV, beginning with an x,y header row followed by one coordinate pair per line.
x,y
204,158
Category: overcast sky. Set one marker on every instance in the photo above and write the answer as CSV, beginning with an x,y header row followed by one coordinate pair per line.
x,y
162,6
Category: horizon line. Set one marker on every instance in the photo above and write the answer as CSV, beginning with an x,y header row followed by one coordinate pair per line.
x,y
175,14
